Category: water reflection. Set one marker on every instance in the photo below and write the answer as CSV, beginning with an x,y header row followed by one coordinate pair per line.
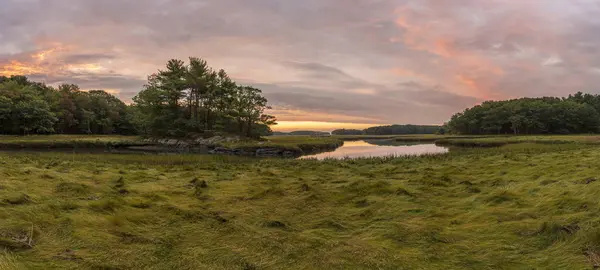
x,y
379,148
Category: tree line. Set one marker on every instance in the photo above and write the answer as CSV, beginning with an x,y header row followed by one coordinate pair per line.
x,y
391,130
182,100
28,107
301,133
578,113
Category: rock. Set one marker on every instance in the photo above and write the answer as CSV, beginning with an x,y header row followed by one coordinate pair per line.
x,y
213,140
183,144
268,152
288,154
232,139
222,151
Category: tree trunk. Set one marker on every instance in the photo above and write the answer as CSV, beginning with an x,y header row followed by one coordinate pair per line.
x,y
206,118
240,126
249,127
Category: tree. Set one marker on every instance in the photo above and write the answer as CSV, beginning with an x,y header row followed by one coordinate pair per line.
x,y
22,111
194,99
249,106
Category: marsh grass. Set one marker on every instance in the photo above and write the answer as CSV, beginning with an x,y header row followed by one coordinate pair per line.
x,y
68,141
497,141
519,206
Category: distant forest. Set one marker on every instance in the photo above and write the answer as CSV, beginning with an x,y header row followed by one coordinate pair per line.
x,y
391,130
182,100
301,133
578,113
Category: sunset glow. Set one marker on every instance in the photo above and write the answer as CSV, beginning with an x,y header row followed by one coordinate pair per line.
x,y
337,66
317,126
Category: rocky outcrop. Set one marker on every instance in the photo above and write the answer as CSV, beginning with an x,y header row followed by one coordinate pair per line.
x,y
274,152
212,141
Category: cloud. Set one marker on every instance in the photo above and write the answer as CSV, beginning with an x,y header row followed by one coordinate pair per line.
x,y
372,61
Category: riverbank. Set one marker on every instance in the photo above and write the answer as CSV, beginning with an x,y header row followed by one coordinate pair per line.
x,y
275,146
272,146
70,142
519,206
284,146
498,141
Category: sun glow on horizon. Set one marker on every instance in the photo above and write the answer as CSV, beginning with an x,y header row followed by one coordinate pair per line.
x,y
287,126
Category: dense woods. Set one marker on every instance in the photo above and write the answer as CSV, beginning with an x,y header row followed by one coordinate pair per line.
x,y
34,108
348,132
182,100
577,113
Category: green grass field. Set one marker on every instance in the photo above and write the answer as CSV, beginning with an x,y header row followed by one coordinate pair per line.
x,y
67,141
67,138
495,141
520,206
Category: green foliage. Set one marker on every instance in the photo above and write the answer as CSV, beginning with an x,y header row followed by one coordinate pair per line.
x,y
347,132
180,101
33,108
577,113
195,99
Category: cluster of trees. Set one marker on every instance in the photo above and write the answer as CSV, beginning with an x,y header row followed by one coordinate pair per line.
x,y
391,130
34,108
348,132
579,113
193,98
182,100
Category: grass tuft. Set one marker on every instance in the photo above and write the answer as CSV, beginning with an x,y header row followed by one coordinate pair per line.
x,y
17,199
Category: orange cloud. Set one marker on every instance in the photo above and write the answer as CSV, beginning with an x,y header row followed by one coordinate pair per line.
x,y
440,39
290,114
406,73
46,61
35,64
478,87
19,68
467,81
41,56
364,91
443,48
84,68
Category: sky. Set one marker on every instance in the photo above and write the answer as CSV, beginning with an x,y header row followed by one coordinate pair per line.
x,y
323,64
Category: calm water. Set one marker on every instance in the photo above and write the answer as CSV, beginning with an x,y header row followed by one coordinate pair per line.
x,y
379,148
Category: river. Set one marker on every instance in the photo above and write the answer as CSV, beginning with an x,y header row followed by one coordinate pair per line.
x,y
378,148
